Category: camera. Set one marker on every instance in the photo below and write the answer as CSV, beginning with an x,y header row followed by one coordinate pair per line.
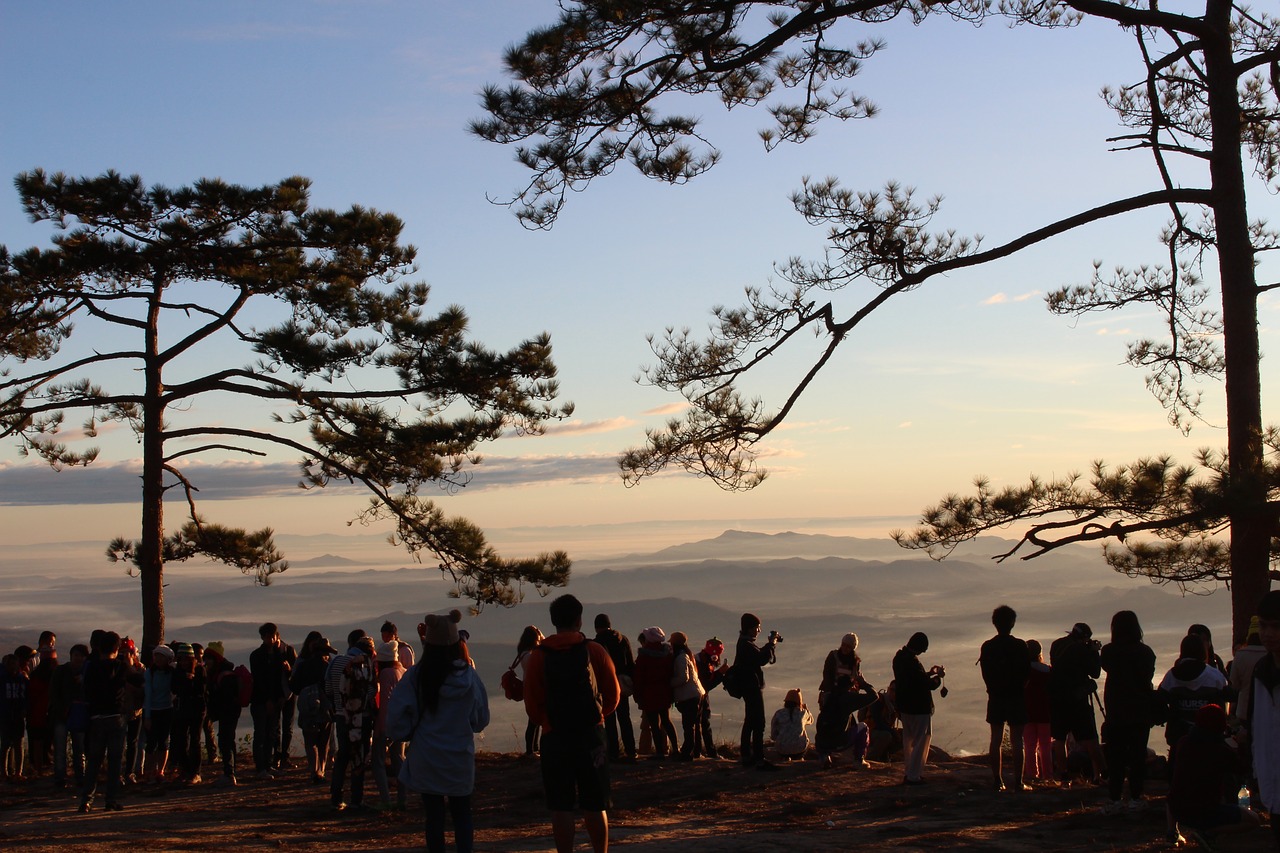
x,y
775,637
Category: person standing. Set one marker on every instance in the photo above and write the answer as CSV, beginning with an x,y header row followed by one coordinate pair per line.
x,y
711,668
914,693
438,707
686,692
105,674
1130,666
288,709
270,673
655,666
1074,663
386,748
223,707
68,714
189,704
1036,739
570,687
749,661
620,736
351,686
1264,710
1006,666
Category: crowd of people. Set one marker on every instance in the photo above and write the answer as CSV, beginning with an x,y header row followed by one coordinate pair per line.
x,y
112,715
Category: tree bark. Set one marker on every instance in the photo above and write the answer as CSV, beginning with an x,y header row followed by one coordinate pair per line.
x,y
151,539
1251,527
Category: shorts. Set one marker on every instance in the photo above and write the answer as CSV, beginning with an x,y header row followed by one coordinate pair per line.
x,y
1009,708
1074,718
575,771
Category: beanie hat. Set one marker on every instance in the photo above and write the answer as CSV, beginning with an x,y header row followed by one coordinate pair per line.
x,y
217,648
164,652
183,650
851,640
679,638
1212,718
387,652
653,634
441,630
714,647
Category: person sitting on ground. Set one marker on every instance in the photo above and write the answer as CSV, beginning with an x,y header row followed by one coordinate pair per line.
x,y
1205,764
438,707
838,728
789,728
884,737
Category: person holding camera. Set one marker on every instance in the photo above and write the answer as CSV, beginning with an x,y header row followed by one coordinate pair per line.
x,y
1075,661
749,661
915,688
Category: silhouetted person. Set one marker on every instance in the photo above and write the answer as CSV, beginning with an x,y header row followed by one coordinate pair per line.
x,y
914,692
1006,665
748,662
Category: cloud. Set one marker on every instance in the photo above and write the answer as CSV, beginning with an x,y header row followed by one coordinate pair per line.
x,y
1001,298
589,427
905,425
113,483
667,409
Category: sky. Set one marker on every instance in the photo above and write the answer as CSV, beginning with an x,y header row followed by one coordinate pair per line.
x,y
970,375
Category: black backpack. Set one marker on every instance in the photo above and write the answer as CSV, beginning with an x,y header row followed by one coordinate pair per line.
x,y
573,698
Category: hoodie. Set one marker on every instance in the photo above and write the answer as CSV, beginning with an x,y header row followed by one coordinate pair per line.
x,y
535,683
1187,687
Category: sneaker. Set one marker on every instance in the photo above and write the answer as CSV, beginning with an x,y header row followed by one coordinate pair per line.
x,y
1114,807
337,808
266,775
86,806
114,806
1137,805
862,764
827,762
195,780
225,782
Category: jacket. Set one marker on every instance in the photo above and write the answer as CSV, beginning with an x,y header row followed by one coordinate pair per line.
x,y
441,756
535,683
684,676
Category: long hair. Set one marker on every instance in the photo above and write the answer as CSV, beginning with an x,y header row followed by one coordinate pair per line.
x,y
529,638
1125,627
435,666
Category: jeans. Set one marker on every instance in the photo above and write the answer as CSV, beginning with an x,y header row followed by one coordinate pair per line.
x,y
688,709
704,743
106,739
266,734
60,741
619,724
384,748
186,743
463,827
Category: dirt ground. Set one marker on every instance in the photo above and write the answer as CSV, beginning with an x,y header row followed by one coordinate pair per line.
x,y
658,807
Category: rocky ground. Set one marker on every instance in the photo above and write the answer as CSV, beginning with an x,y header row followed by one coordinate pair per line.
x,y
659,806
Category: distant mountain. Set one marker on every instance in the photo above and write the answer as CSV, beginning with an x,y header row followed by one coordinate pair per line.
x,y
325,560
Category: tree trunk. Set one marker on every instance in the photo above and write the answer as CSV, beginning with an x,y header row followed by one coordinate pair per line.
x,y
1250,523
151,540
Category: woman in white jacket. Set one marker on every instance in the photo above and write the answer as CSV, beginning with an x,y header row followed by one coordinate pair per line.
x,y
438,707
686,691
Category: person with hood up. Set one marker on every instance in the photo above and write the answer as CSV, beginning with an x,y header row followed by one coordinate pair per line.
x,y
438,707
1188,686
655,668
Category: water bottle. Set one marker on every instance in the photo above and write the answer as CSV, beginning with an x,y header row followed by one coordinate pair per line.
x,y
1243,800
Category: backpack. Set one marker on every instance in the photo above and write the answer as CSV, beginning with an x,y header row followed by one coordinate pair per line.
x,y
573,698
354,689
733,682
310,706
244,685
